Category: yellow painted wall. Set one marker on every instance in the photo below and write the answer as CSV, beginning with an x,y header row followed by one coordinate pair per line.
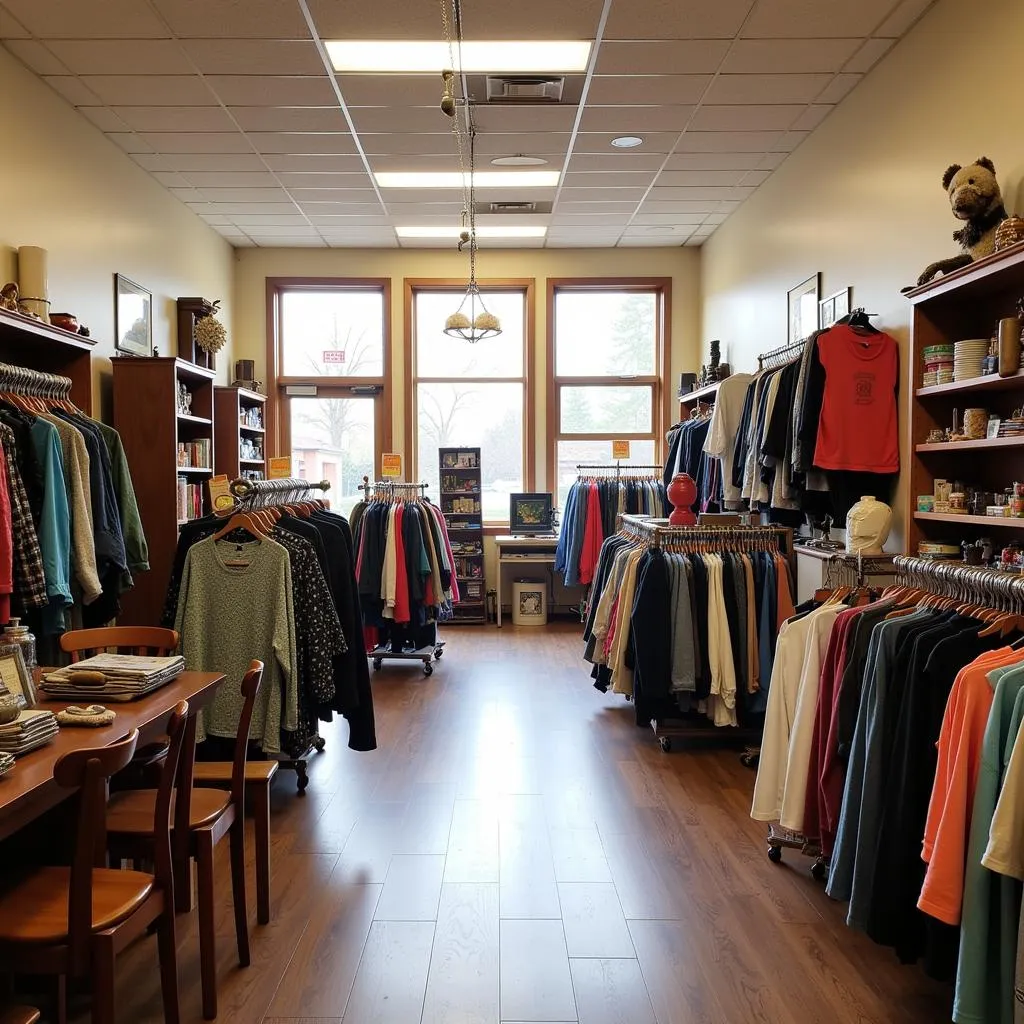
x,y
254,266
65,187
861,200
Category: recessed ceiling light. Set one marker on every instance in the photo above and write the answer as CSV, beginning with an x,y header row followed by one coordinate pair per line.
x,y
627,142
383,56
458,179
518,161
482,231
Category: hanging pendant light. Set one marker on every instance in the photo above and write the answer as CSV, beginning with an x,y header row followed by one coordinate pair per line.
x,y
472,321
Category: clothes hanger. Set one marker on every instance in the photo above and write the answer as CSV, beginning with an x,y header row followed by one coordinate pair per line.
x,y
242,521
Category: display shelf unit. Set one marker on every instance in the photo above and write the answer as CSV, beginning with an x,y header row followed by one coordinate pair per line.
x,y
702,396
232,407
964,304
146,415
465,529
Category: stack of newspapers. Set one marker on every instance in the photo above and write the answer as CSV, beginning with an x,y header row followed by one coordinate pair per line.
x,y
29,730
125,677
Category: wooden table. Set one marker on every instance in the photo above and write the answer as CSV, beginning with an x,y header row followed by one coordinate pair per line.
x,y
29,790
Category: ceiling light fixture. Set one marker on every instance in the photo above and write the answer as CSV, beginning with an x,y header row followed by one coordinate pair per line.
x,y
518,161
627,142
408,56
485,231
461,179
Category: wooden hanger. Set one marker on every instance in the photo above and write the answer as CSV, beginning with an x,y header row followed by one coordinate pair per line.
x,y
242,521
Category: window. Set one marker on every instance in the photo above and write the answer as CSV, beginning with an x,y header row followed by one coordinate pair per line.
x,y
608,351
473,395
328,350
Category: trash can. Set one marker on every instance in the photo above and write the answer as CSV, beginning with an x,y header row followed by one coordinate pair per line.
x,y
529,602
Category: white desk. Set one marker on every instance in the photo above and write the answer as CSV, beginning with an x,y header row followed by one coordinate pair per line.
x,y
524,551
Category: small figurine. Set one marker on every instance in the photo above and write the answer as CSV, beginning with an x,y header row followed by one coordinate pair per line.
x,y
9,297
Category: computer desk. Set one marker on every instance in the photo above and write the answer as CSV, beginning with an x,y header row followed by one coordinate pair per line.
x,y
524,551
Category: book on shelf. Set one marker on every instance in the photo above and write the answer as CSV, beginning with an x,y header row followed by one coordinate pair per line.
x,y
190,499
194,454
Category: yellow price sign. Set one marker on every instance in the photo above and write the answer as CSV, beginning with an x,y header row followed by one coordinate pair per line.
x,y
391,466
620,449
221,498
281,467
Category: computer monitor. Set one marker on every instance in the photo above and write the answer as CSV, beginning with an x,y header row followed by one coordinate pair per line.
x,y
531,514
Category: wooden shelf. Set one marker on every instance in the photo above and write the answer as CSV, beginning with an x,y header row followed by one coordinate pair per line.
x,y
705,394
968,446
184,417
946,517
977,279
252,462
189,371
40,333
194,469
251,430
990,382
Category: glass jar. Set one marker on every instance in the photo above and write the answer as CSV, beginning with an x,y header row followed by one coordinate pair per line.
x,y
16,633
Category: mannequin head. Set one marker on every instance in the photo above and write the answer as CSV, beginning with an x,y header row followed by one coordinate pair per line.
x,y
867,527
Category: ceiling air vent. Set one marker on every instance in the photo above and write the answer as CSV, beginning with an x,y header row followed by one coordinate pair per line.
x,y
513,207
524,89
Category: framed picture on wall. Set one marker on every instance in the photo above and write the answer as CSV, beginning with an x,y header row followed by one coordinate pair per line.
x,y
803,309
133,317
834,307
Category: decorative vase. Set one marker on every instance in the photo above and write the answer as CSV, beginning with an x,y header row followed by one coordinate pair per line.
x,y
1010,232
682,492
1009,345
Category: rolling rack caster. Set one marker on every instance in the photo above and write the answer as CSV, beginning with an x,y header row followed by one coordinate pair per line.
x,y
780,839
750,757
666,743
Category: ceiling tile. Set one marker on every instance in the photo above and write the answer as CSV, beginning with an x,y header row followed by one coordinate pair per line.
x,y
216,220
399,211
390,90
568,206
838,88
130,142
789,141
236,209
793,56
903,17
766,88
401,119
868,55
318,211
616,160
418,144
531,118
668,232
750,118
716,218
669,218
101,19
663,207
652,242
589,219
612,90
36,57
287,242
73,90
175,119
244,195
535,143
244,162
104,119
231,179
254,56
692,19
172,179
600,195
384,19
821,19
273,90
698,178
432,162
313,162
812,117
11,28
333,195
610,179
264,220
697,193
601,142
151,90
197,142
337,224
714,161
756,177
307,179
233,19
299,142
636,120
661,56
770,161
122,56
729,142
290,119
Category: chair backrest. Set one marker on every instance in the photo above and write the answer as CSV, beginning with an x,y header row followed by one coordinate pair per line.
x,y
250,687
180,729
88,770
152,641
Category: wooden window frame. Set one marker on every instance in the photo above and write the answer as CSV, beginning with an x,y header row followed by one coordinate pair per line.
x,y
661,397
278,437
428,284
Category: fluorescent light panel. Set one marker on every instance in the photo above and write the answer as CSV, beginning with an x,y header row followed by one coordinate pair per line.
x,y
482,231
397,56
459,179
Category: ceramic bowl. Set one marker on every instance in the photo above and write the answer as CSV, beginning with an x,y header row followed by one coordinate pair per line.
x,y
66,321
10,708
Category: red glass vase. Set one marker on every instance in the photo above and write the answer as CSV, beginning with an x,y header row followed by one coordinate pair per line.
x,y
682,492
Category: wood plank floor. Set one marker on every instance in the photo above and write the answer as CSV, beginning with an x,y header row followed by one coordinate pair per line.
x,y
518,851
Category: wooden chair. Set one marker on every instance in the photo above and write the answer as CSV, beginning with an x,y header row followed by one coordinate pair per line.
x,y
75,921
19,1015
202,818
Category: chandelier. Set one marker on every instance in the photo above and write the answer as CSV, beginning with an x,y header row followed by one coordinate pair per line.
x,y
472,321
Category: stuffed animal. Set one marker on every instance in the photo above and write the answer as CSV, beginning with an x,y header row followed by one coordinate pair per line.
x,y
975,198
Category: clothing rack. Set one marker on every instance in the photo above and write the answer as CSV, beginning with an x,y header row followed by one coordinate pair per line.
x,y
990,587
385,489
261,494
780,356
34,383
626,471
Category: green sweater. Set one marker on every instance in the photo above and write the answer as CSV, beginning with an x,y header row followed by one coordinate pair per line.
x,y
229,614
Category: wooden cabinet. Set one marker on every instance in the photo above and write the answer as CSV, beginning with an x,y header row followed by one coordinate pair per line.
x,y
155,433
460,504
240,433
966,304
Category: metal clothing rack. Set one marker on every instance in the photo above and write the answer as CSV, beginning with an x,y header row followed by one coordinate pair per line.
x,y
385,490
658,533
780,356
991,587
260,494
34,383
627,470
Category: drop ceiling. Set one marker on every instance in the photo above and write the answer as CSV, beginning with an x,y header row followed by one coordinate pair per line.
x,y
231,105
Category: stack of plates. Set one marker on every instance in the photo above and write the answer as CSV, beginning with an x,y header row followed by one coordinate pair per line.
x,y
938,365
6,763
31,729
967,358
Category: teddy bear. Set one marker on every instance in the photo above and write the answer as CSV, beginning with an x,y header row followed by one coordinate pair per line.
x,y
975,198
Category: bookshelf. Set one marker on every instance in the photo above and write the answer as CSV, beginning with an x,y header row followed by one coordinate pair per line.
x,y
460,503
167,450
239,448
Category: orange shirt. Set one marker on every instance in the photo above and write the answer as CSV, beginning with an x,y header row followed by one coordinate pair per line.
x,y
948,827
